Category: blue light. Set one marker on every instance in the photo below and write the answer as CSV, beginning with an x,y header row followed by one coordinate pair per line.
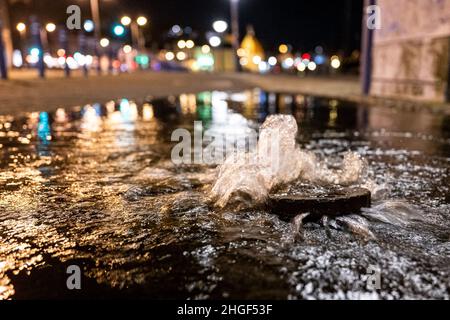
x,y
319,59
35,52
119,30
88,26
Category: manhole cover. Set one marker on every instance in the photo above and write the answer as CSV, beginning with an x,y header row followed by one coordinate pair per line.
x,y
318,201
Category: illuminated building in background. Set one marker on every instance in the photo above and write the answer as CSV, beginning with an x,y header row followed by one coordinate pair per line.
x,y
251,52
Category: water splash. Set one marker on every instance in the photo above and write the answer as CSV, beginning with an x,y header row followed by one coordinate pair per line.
x,y
395,212
246,179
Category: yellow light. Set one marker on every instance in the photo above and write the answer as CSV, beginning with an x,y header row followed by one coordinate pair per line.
x,y
206,49
104,42
181,44
126,20
21,27
335,62
283,48
50,27
142,21
170,56
181,56
61,52
190,44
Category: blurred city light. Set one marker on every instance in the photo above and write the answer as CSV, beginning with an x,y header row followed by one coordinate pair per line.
x,y
127,48
50,27
141,21
190,44
273,61
104,42
21,27
88,26
215,41
181,56
206,49
181,44
288,63
312,66
17,59
283,48
35,52
301,67
176,29
126,21
335,62
170,56
119,30
257,60
220,26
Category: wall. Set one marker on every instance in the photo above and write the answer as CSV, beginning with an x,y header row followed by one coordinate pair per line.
x,y
411,51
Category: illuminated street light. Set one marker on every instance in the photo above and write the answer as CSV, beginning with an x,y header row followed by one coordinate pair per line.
x,y
220,26
88,26
21,27
312,66
206,49
283,48
335,62
126,21
273,61
181,44
190,44
104,42
181,56
141,21
170,56
215,41
50,27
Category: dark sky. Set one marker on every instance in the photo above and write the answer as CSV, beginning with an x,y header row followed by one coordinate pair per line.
x,y
302,23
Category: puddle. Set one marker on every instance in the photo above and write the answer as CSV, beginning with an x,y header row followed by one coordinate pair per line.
x,y
95,186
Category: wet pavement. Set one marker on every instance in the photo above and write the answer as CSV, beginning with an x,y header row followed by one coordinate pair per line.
x,y
95,186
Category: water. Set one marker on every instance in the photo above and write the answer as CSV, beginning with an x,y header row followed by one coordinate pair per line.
x,y
95,186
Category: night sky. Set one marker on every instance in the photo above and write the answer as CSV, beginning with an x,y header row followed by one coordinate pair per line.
x,y
304,24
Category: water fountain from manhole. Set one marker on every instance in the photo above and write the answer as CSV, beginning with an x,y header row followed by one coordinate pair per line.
x,y
292,182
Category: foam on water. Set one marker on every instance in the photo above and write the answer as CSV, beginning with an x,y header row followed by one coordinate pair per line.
x,y
247,178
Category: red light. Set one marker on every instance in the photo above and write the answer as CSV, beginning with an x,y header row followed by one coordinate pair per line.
x,y
306,56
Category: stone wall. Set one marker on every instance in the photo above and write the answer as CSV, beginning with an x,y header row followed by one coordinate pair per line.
x,y
411,51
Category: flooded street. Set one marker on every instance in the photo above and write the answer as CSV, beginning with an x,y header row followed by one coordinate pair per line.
x,y
95,186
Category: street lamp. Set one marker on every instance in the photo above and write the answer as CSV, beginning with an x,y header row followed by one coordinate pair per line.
x,y
50,27
220,26
21,27
104,42
136,36
235,30
126,21
141,21
215,41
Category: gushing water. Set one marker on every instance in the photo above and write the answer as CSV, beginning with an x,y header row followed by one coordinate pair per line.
x,y
248,178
